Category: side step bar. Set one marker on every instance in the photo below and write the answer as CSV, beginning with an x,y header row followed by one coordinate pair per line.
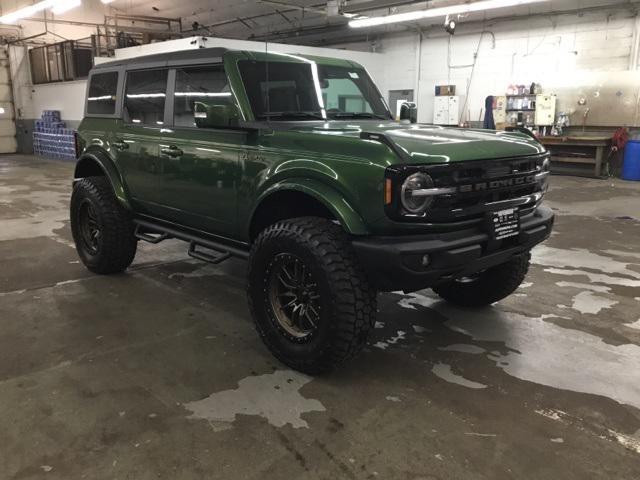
x,y
160,232
206,257
151,238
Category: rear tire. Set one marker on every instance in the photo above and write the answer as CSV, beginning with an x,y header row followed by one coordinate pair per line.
x,y
308,295
488,286
102,229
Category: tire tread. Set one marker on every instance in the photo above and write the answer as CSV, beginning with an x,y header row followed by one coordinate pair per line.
x,y
492,285
119,244
354,301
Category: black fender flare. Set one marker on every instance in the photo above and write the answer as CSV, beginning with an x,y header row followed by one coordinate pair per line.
x,y
325,194
86,166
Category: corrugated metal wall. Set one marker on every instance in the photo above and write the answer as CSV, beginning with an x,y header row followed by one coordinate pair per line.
x,y
7,121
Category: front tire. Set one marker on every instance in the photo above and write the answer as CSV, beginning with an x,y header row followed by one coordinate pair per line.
x,y
488,286
102,230
308,295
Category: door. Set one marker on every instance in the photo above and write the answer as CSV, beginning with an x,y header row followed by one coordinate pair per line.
x,y
454,111
7,122
200,165
136,142
441,110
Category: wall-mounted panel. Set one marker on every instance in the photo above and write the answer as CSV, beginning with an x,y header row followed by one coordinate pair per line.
x,y
603,99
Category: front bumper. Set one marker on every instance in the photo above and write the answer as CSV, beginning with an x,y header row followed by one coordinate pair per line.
x,y
395,263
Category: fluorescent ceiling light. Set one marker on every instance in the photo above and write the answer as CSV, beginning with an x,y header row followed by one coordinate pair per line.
x,y
27,11
106,2
56,6
65,5
479,6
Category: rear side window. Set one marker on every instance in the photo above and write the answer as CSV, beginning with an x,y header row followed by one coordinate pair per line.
x,y
101,99
207,85
145,96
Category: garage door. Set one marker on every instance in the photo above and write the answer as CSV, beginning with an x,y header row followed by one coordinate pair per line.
x,y
7,123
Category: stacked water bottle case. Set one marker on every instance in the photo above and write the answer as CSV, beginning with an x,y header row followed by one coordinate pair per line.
x,y
52,138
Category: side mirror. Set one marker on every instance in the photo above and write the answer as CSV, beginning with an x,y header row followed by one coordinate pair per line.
x,y
216,116
408,112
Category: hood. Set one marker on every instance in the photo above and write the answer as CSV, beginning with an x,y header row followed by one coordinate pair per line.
x,y
433,144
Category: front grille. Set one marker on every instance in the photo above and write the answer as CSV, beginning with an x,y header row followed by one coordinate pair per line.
x,y
464,206
507,184
482,170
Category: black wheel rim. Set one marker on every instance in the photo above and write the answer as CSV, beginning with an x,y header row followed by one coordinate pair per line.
x,y
90,232
293,297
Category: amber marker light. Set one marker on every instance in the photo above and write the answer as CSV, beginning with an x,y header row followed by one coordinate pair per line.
x,y
387,191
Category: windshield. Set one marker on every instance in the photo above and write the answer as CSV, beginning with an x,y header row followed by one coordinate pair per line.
x,y
308,91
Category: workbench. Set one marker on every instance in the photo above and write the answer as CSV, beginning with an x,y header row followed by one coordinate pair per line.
x,y
570,154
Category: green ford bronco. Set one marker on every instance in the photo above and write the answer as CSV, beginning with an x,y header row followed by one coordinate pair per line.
x,y
296,164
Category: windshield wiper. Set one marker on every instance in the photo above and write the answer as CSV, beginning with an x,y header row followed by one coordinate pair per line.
x,y
358,115
293,114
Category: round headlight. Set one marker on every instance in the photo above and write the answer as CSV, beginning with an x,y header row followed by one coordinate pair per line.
x,y
411,199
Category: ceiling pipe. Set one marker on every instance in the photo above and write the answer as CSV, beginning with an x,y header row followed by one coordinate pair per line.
x,y
310,9
321,11
435,30
370,5
78,23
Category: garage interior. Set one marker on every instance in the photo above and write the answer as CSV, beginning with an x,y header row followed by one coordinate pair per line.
x,y
158,372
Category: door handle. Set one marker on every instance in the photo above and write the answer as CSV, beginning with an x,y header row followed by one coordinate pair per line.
x,y
120,145
171,151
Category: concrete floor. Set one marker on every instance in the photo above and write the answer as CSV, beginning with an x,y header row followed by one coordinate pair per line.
x,y
158,373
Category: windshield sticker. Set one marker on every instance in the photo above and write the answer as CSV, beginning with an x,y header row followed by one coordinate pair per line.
x,y
353,75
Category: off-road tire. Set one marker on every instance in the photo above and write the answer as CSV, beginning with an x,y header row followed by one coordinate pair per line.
x,y
489,286
116,244
348,303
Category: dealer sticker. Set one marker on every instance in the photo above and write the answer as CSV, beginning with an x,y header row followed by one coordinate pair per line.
x,y
505,223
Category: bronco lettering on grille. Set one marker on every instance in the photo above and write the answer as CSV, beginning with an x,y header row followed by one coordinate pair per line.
x,y
494,184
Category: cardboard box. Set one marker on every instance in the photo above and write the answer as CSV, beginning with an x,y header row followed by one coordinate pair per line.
x,y
445,90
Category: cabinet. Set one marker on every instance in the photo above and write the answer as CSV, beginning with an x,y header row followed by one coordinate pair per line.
x,y
446,110
545,110
499,110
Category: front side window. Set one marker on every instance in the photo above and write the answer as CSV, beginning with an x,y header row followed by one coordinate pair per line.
x,y
145,95
308,91
280,90
345,92
196,89
101,99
